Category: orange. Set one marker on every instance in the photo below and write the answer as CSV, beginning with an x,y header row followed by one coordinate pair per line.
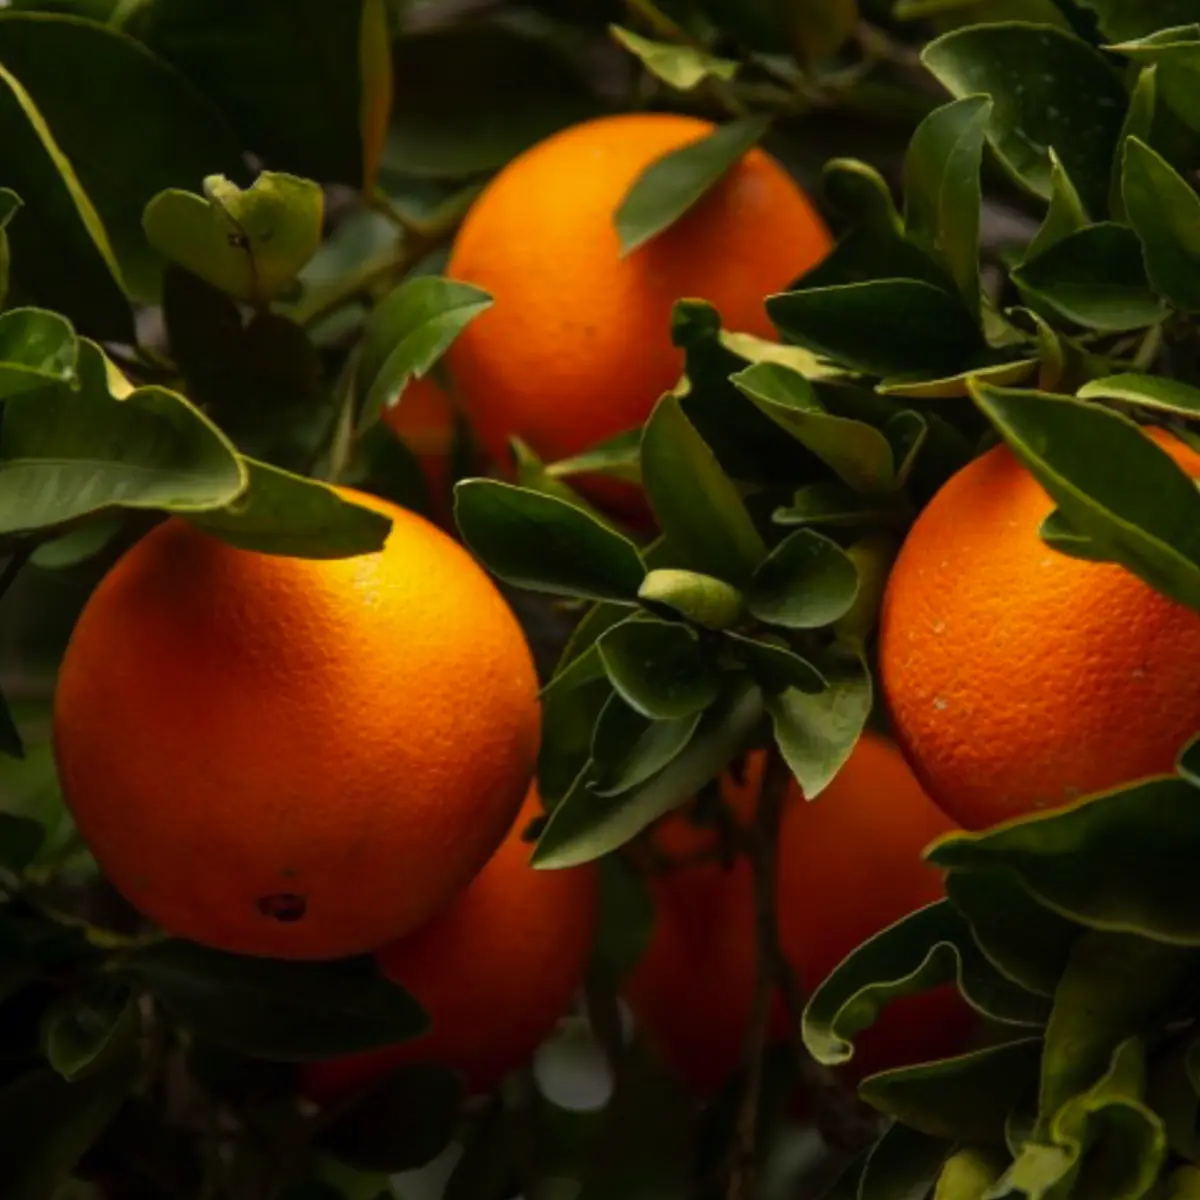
x,y
424,421
494,971
289,757
1018,678
577,346
849,865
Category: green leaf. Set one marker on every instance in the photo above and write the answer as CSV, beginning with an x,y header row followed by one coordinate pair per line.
x,y
571,705
1147,517
625,923
586,826
20,837
1066,214
833,504
942,191
619,456
376,88
807,582
817,732
901,1165
628,747
250,244
290,74
1095,278
93,84
1118,861
774,666
1165,212
282,513
49,1124
60,252
268,1008
969,1174
961,1099
1170,44
672,184
857,452
67,454
37,349
701,599
399,1124
659,668
859,191
545,544
1139,123
928,948
1050,89
1119,19
1025,941
881,327
446,121
681,66
1145,391
83,1031
698,507
408,331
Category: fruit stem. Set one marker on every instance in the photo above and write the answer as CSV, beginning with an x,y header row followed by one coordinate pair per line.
x,y
763,848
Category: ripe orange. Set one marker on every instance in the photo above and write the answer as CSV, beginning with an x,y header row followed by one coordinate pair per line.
x,y
289,757
849,865
1019,678
494,971
424,421
577,347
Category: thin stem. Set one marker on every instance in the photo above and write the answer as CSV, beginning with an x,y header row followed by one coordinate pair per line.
x,y
12,568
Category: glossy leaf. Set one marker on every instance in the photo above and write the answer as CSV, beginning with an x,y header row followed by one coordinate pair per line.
x,y
806,582
1165,212
942,191
1050,89
1066,214
859,191
681,66
1095,278
1153,392
250,243
628,747
817,732
407,332
619,456
82,1032
268,1008
586,826
400,1123
660,668
1170,43
672,184
698,507
37,349
774,666
969,1174
859,454
571,705
946,387
882,327
1116,862
539,542
60,251
1139,123
282,513
701,599
1149,521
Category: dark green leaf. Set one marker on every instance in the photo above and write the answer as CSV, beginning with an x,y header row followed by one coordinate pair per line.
x,y
10,736
92,85
775,667
250,244
1065,216
952,386
962,1099
571,705
267,1008
1094,277
863,195
1050,89
60,252
1165,212
902,1165
1120,19
806,582
859,454
881,327
81,1032
671,185
1139,123
833,504
1059,534
1168,42
1119,861
408,331
20,837
281,513
701,599
49,1124
619,456
291,74
942,193
545,544
1188,762
660,668
66,454
76,545
403,1122
586,826
681,66
698,507
37,349
626,920
629,748
530,472
816,733
1147,517
1146,391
